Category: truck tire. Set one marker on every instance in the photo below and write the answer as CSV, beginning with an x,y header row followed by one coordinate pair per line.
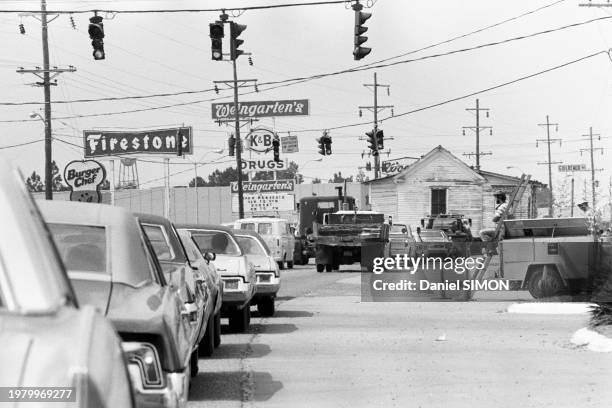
x,y
289,264
281,265
328,268
305,259
335,267
265,306
545,282
320,267
239,320
193,364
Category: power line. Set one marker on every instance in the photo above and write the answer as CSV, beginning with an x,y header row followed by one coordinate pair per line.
x,y
297,80
21,144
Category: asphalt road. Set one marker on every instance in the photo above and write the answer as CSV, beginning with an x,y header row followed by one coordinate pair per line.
x,y
326,348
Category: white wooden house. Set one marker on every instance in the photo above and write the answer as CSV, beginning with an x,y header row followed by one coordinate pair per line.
x,y
440,183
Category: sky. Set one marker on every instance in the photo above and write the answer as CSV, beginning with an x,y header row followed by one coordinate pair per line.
x,y
149,53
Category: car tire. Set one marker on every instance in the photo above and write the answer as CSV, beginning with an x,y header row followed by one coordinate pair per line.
x,y
239,320
335,267
543,285
266,306
289,264
328,268
193,363
217,336
305,260
207,345
320,267
281,265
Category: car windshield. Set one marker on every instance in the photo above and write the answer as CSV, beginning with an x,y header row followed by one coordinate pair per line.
x,y
432,236
82,247
250,245
219,242
264,228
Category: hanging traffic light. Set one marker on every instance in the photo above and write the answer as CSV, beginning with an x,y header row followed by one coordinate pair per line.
x,y
372,142
235,30
328,143
276,149
96,33
231,144
360,18
321,142
216,39
380,140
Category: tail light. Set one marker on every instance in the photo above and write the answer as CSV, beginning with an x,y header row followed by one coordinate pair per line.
x,y
144,355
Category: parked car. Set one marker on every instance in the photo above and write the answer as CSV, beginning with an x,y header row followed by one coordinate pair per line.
x,y
112,266
432,243
402,241
237,273
47,338
206,274
277,234
266,270
176,266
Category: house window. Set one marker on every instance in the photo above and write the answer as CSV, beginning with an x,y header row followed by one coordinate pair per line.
x,y
438,201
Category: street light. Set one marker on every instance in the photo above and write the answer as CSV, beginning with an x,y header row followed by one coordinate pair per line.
x,y
515,167
48,166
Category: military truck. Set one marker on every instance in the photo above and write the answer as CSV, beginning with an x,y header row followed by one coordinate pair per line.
x,y
346,237
456,227
311,211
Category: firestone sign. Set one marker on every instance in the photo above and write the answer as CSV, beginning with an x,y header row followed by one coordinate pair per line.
x,y
85,178
260,109
118,143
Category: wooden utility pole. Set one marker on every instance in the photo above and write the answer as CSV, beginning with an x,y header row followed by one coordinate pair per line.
x,y
591,150
477,129
548,141
375,109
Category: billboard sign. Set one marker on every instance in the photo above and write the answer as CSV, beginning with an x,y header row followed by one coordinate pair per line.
x,y
267,186
85,178
289,144
263,202
99,143
263,165
259,139
261,109
395,166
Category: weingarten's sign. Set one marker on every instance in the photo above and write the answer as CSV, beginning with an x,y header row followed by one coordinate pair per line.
x,y
267,186
260,109
118,143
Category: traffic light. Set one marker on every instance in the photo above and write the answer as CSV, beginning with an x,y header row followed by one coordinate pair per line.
x,y
96,33
372,142
328,143
380,140
360,18
216,39
235,30
276,149
321,142
368,166
231,144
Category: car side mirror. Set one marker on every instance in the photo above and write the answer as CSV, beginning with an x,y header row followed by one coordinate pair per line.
x,y
210,256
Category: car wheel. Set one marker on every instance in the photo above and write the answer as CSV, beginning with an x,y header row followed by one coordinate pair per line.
x,y
335,267
545,283
290,264
217,336
328,268
281,265
239,320
193,363
305,260
207,345
320,267
265,306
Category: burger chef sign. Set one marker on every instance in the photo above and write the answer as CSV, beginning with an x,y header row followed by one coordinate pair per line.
x,y
85,178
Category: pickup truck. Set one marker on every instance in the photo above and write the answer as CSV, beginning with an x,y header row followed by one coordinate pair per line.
x,y
346,237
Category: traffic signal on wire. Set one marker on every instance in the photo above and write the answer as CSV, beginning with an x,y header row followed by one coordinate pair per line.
x,y
216,39
380,140
235,30
276,148
360,18
96,33
231,144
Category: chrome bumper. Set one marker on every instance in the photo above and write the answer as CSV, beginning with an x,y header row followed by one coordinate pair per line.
x,y
235,290
267,283
173,395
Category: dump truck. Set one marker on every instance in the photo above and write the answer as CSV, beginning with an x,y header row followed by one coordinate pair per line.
x,y
346,237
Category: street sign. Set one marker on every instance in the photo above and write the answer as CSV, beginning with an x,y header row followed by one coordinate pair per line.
x,y
266,186
259,139
263,165
395,166
85,177
260,109
263,202
572,167
99,143
289,144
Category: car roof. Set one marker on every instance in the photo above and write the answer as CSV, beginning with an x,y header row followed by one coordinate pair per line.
x,y
129,263
258,219
214,227
241,232
175,242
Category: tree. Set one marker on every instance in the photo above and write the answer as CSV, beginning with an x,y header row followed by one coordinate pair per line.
x,y
339,179
289,174
219,178
316,180
34,183
56,179
200,181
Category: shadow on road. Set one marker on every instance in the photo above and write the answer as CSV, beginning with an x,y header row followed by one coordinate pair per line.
x,y
224,351
265,386
285,298
232,386
285,313
273,328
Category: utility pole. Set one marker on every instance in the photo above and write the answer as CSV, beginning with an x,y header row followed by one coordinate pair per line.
x,y
375,109
477,129
591,150
46,84
548,142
